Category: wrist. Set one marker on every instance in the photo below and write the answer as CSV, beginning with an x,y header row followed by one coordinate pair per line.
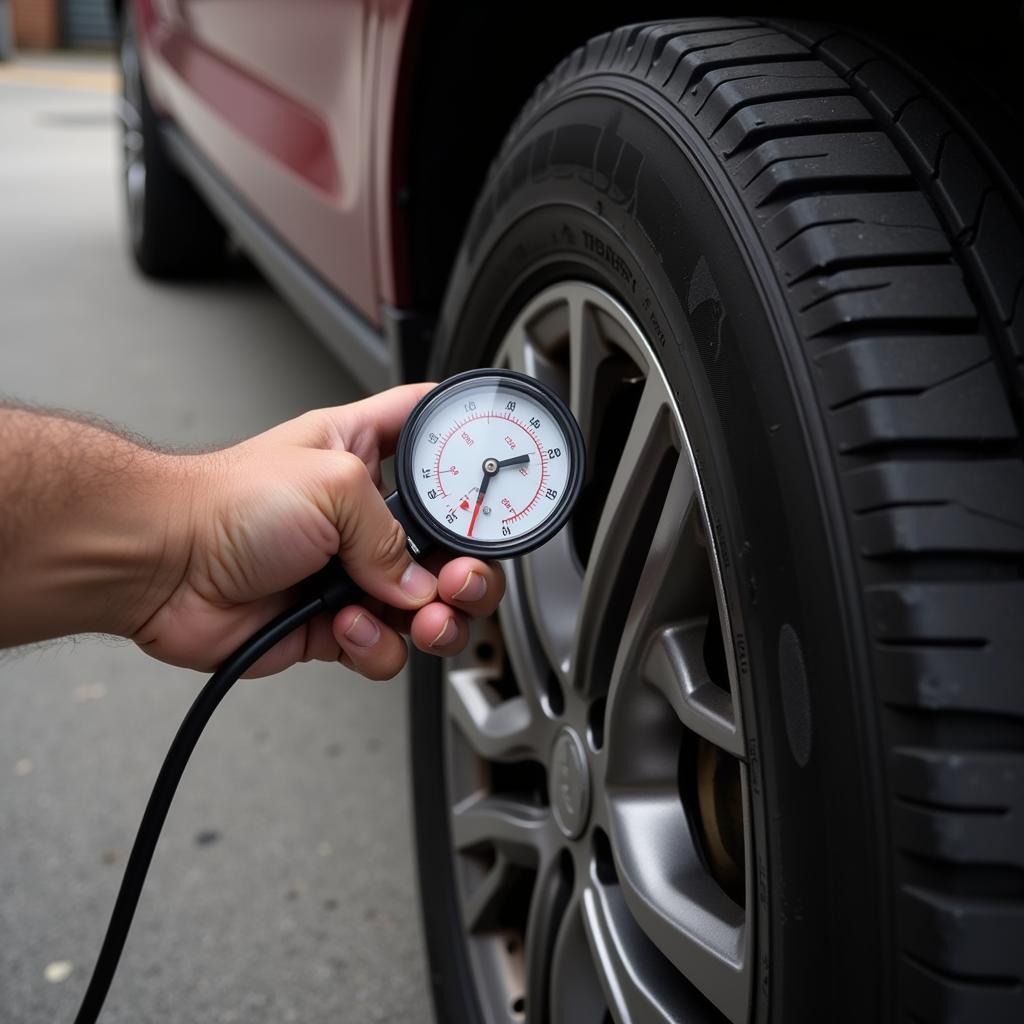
x,y
143,550
98,529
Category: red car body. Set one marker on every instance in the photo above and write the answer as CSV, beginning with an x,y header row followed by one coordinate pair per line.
x,y
296,104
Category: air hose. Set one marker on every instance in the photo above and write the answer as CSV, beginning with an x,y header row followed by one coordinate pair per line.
x,y
328,591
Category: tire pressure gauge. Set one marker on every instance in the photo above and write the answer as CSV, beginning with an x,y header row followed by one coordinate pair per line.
x,y
489,463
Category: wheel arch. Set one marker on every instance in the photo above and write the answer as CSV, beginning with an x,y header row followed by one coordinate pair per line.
x,y
455,87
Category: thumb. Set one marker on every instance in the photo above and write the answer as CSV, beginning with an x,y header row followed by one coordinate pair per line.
x,y
372,542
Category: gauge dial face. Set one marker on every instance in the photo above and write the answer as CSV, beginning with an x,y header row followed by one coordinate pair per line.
x,y
492,461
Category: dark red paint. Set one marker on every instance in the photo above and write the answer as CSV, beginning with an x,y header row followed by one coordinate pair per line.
x,y
297,103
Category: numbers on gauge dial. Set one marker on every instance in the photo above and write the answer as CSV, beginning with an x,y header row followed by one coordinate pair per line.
x,y
490,464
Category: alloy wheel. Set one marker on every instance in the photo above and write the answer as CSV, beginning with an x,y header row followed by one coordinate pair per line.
x,y
595,754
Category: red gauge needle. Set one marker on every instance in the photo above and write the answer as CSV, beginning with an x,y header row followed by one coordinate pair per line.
x,y
489,470
476,511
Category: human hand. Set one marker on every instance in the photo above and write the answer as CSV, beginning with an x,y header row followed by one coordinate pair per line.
x,y
265,514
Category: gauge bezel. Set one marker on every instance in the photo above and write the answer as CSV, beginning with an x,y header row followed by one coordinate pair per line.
x,y
514,547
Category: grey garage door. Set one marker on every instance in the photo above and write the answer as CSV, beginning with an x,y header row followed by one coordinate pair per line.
x,y
88,22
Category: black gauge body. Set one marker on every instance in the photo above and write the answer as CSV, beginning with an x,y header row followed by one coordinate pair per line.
x,y
479,419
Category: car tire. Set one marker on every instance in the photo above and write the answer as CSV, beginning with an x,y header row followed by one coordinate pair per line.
x,y
810,257
172,232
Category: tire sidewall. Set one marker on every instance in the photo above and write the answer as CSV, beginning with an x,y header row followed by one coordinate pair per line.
x,y
598,186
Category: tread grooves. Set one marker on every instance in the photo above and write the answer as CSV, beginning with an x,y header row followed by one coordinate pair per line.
x,y
836,186
752,101
981,811
705,69
999,981
881,286
969,234
901,109
817,224
910,642
945,137
703,49
783,160
876,393
894,326
841,263
758,136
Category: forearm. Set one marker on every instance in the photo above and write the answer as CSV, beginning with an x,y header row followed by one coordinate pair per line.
x,y
93,528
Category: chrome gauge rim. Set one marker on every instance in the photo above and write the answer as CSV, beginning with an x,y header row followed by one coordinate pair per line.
x,y
132,145
594,744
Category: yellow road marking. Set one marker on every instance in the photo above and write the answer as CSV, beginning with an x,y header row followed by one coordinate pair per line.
x,y
79,79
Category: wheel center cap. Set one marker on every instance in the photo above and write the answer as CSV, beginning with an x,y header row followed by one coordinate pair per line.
x,y
569,783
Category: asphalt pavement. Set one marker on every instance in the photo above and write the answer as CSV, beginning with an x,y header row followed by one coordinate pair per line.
x,y
283,886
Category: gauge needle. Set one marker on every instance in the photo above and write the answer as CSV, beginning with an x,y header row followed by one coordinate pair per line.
x,y
479,501
519,460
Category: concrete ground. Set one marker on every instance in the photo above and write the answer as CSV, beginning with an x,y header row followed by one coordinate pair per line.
x,y
282,889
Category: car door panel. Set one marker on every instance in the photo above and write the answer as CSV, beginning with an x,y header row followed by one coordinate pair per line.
x,y
277,94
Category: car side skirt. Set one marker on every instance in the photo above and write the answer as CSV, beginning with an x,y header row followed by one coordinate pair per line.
x,y
373,357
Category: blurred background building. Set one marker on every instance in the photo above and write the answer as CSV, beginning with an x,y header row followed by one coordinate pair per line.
x,y
53,24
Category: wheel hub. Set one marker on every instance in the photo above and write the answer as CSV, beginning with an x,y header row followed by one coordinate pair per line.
x,y
569,783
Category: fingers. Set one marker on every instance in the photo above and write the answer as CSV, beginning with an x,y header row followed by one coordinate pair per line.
x,y
466,586
371,648
439,629
355,636
375,422
472,585
371,541
369,640
368,637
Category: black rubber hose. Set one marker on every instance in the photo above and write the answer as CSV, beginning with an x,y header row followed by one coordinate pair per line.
x,y
170,775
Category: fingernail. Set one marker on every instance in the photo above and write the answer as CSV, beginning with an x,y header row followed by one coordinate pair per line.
x,y
364,632
473,589
417,582
449,631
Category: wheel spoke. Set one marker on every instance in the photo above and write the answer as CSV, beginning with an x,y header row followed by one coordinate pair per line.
x,y
482,907
676,902
675,667
526,653
674,579
520,832
552,580
640,985
499,730
551,894
520,352
611,568
676,587
575,990
586,353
